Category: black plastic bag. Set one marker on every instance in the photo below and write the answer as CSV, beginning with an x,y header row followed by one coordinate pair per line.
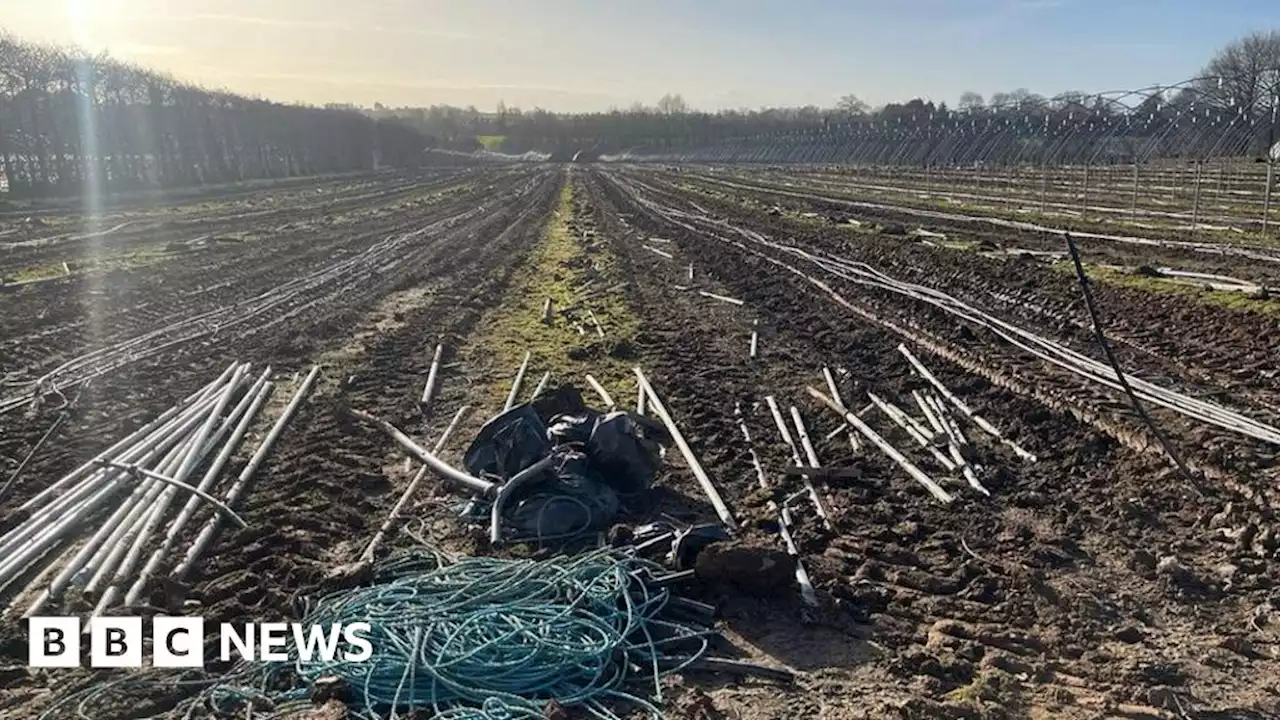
x,y
624,451
571,503
572,427
508,444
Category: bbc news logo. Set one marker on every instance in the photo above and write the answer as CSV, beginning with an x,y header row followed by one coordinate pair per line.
x,y
179,642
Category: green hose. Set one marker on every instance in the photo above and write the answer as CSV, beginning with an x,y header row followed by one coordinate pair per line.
x,y
491,639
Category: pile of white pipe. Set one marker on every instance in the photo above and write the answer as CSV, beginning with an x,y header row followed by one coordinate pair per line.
x,y
104,529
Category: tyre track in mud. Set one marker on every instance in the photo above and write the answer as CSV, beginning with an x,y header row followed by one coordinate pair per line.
x,y
1038,599
321,494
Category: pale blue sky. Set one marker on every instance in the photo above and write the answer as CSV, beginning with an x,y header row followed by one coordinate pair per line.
x,y
591,54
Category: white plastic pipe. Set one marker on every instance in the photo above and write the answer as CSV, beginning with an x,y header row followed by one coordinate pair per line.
x,y
210,529
708,487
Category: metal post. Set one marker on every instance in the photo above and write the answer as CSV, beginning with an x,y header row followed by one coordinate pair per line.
x,y
1044,188
1195,207
1084,193
1133,205
1266,198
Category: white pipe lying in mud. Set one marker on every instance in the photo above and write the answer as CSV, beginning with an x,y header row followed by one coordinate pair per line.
x,y
915,473
210,529
61,516
542,385
722,298
921,440
929,415
961,406
782,428
200,445
596,321
372,548
807,592
256,397
813,462
604,394
428,391
704,480
515,384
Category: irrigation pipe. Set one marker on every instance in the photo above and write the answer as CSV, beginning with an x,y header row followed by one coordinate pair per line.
x,y
1047,350
807,593
210,529
708,487
515,384
929,415
199,494
124,549
921,440
509,487
948,422
596,321
256,397
542,385
915,473
63,515
782,428
59,515
722,298
428,391
604,394
160,421
444,470
372,548
102,565
960,405
813,462
156,512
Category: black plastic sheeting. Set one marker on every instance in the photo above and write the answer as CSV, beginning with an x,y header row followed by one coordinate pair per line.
x,y
618,455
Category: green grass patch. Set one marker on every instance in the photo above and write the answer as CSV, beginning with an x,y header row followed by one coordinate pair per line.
x,y
141,257
491,142
569,256
962,245
1236,301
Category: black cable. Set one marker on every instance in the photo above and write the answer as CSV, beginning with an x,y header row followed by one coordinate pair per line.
x,y
1115,366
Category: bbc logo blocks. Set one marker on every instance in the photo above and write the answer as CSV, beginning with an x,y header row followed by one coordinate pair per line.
x,y
115,642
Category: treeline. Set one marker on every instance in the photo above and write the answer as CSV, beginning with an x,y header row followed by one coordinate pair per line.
x,y
1237,97
67,118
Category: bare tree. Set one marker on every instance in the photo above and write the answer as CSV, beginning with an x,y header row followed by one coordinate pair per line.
x,y
1246,74
670,104
970,101
852,105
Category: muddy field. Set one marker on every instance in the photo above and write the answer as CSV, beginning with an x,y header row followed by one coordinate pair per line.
x,y
1095,581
